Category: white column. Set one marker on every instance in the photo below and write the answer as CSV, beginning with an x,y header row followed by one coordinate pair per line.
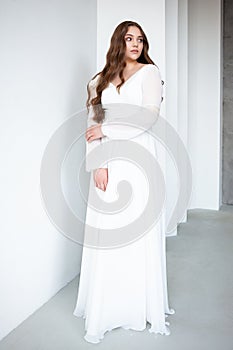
x,y
204,123
171,88
182,76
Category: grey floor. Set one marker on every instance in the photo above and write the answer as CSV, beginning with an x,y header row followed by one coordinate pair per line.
x,y
200,282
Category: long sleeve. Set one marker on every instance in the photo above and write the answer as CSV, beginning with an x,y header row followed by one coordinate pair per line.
x,y
141,117
152,89
90,146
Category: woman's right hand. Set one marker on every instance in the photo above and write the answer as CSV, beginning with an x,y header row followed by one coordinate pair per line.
x,y
101,178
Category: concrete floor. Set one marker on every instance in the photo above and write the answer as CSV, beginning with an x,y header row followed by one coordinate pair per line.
x,y
200,284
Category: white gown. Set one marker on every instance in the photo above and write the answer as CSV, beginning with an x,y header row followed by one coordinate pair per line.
x,y
125,286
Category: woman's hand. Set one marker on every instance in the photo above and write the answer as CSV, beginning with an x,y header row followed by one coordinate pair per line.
x,y
101,178
93,132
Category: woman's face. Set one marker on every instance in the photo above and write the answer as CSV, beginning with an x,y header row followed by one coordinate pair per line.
x,y
134,44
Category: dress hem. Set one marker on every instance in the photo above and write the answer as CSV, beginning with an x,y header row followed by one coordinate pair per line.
x,y
95,339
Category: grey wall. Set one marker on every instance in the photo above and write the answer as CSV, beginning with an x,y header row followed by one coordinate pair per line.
x,y
227,178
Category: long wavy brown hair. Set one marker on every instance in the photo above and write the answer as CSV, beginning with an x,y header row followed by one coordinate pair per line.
x,y
115,64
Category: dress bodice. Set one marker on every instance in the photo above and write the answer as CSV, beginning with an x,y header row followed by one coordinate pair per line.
x,y
131,91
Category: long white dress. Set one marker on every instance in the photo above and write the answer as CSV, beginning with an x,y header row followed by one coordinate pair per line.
x,y
125,286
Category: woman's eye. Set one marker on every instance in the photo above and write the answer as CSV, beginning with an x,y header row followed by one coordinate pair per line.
x,y
140,40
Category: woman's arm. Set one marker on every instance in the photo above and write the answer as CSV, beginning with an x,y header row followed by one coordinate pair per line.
x,y
152,90
90,146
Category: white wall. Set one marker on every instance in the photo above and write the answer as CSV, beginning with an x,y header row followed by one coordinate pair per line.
x,y
46,61
204,130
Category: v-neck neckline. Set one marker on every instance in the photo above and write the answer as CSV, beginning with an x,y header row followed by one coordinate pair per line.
x,y
131,76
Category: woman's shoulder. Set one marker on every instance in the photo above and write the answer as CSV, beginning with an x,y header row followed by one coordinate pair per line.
x,y
152,67
151,76
150,71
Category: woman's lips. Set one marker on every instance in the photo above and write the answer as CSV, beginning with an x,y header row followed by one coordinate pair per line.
x,y
134,51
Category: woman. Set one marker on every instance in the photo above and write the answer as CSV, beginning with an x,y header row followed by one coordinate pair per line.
x,y
124,286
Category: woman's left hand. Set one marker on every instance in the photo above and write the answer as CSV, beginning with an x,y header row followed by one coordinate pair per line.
x,y
93,132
